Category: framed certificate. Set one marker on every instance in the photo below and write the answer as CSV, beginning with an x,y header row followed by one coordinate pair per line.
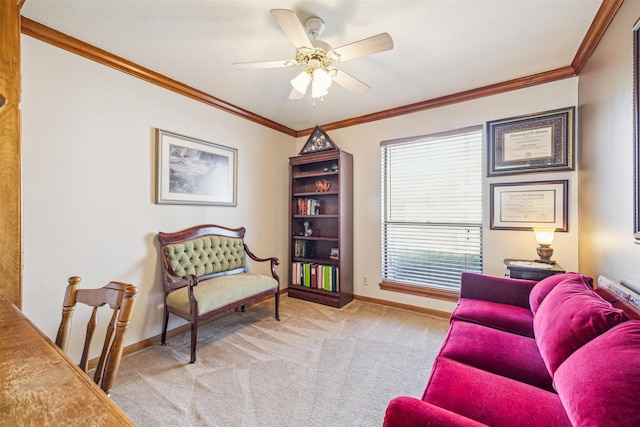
x,y
636,132
525,205
535,143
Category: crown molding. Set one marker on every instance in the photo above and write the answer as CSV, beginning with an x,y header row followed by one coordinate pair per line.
x,y
601,21
49,35
598,27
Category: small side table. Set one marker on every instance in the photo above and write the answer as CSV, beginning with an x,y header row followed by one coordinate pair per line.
x,y
531,270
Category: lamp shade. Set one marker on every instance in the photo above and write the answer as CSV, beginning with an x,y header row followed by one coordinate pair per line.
x,y
544,236
301,82
321,82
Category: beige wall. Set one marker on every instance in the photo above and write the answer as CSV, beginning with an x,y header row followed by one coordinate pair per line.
x,y
89,171
363,142
606,166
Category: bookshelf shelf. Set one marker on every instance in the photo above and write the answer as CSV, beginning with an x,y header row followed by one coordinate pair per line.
x,y
321,225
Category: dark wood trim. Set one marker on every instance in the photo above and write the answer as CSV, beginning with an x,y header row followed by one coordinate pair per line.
x,y
56,38
414,308
420,291
494,89
603,18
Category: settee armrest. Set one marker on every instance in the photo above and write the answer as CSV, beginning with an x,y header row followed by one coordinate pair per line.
x,y
502,290
274,261
405,411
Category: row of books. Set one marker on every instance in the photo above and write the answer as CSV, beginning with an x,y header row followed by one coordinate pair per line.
x,y
308,206
318,276
302,249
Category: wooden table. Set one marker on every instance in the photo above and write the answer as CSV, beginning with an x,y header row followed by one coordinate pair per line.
x,y
531,270
41,386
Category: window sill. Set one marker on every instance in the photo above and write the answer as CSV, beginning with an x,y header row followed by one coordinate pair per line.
x,y
420,291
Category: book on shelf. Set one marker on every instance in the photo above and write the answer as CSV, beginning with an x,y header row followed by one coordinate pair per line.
x,y
301,249
316,276
308,206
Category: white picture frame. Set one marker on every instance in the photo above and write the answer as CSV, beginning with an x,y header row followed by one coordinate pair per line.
x,y
191,171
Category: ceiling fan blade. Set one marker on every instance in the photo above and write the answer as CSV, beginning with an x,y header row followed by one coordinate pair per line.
x,y
260,65
295,94
349,82
292,27
374,44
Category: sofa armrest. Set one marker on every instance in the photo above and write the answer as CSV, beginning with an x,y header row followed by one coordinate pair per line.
x,y
274,261
502,290
405,411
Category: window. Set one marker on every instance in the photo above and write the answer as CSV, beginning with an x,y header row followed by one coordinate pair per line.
x,y
432,212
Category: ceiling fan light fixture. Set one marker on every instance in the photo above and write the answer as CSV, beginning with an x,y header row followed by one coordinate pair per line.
x,y
316,57
321,82
317,91
301,82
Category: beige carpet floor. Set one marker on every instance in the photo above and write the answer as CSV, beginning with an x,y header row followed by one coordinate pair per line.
x,y
318,366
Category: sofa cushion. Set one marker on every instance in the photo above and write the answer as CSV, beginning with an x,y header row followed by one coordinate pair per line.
x,y
221,291
599,384
544,286
569,317
505,317
503,353
491,399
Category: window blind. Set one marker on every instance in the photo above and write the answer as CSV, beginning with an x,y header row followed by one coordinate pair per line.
x,y
432,209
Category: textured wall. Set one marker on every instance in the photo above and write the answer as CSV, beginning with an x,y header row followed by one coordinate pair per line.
x,y
606,165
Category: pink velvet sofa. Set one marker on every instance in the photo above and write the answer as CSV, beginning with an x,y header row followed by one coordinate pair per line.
x,y
523,353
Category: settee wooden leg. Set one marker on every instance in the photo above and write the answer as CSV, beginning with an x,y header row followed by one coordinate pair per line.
x,y
277,298
194,340
165,323
242,308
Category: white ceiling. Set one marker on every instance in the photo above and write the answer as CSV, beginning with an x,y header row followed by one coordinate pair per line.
x,y
441,47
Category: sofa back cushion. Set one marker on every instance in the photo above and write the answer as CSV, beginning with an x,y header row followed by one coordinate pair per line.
x,y
543,287
570,316
205,255
599,384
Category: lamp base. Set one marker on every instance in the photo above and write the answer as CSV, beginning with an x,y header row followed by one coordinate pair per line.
x,y
545,252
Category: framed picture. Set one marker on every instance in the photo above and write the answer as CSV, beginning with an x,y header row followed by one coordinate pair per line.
x,y
525,205
194,172
539,142
636,131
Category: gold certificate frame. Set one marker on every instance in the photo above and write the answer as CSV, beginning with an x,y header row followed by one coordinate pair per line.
x,y
525,205
539,142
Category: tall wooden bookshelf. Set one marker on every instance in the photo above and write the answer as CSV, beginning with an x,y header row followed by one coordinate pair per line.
x,y
321,194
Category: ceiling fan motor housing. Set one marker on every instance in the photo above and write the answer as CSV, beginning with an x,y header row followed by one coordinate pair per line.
x,y
314,26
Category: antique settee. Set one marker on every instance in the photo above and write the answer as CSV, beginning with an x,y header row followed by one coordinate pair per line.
x,y
206,273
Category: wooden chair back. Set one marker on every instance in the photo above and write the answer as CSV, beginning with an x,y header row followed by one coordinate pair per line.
x,y
120,297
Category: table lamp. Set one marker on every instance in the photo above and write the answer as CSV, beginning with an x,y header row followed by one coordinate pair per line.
x,y
544,237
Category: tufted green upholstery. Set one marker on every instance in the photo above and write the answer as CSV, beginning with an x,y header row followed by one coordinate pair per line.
x,y
206,255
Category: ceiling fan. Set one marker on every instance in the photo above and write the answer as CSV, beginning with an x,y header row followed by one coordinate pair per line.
x,y
317,58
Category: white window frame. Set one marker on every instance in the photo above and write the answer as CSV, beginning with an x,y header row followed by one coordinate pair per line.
x,y
417,231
